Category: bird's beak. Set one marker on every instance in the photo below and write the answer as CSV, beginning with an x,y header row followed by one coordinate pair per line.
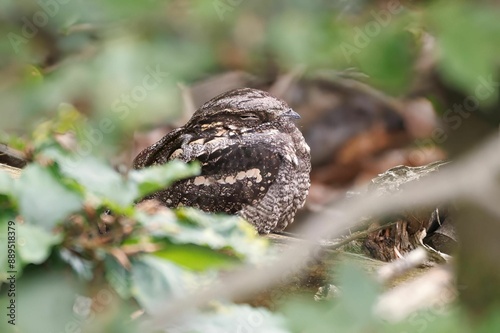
x,y
291,114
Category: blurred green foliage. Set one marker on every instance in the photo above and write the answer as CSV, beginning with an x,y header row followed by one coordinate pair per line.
x,y
93,54
149,254
101,69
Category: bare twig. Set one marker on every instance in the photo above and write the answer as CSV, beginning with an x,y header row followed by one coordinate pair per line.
x,y
398,267
435,290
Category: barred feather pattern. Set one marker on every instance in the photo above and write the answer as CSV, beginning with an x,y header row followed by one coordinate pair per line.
x,y
255,162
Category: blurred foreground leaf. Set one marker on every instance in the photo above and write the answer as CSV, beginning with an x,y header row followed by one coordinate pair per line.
x,y
196,257
35,243
158,177
43,199
232,318
154,281
44,302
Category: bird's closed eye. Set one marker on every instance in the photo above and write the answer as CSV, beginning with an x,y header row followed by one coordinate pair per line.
x,y
249,116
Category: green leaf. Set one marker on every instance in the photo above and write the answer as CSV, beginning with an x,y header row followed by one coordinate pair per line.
x,y
99,179
106,185
155,281
7,205
457,24
45,302
196,257
163,223
118,277
157,177
35,243
84,268
43,200
388,59
233,318
216,231
68,119
305,315
359,294
219,231
351,312
6,184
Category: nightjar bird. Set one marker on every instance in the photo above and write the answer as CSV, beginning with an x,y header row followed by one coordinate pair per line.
x,y
254,160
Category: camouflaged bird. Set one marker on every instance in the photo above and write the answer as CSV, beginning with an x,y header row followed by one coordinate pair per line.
x,y
254,160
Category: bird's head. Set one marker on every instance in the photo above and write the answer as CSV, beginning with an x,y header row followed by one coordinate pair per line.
x,y
245,107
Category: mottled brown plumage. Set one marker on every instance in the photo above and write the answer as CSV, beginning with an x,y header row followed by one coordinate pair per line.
x,y
255,162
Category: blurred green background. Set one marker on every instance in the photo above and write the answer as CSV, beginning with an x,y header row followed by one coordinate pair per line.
x,y
92,53
121,66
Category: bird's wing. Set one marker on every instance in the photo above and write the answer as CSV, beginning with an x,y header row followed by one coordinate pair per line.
x,y
231,177
159,152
